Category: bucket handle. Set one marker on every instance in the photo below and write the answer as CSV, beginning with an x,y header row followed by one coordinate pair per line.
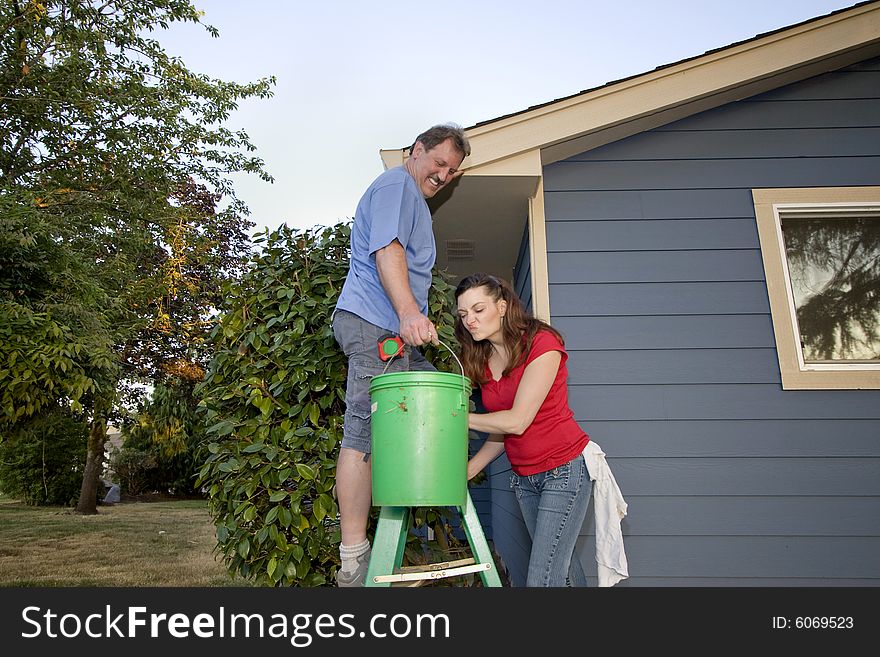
x,y
451,351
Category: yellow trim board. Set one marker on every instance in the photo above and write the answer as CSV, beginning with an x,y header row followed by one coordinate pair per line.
x,y
538,255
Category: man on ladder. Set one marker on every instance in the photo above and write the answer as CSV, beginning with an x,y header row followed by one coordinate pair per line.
x,y
386,290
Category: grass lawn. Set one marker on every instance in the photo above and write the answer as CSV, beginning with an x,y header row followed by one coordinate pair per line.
x,y
167,543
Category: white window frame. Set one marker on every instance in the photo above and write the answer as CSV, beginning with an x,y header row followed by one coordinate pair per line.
x,y
769,205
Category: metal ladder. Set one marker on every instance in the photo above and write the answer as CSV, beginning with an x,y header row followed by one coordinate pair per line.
x,y
389,542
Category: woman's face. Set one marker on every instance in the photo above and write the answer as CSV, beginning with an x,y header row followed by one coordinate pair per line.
x,y
480,314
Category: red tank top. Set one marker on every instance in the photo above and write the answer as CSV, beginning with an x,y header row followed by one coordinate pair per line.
x,y
553,438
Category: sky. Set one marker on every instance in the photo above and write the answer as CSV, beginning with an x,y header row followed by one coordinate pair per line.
x,y
355,77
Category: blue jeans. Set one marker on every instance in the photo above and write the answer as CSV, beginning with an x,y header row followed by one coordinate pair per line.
x,y
554,504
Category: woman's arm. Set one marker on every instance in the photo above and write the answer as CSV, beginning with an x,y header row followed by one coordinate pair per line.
x,y
531,393
490,451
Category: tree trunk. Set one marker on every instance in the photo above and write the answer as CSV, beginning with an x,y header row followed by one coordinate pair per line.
x,y
88,494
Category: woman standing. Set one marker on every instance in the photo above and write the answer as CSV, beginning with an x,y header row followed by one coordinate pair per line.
x,y
519,363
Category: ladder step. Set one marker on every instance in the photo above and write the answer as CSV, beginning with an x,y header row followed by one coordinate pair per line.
x,y
440,565
432,574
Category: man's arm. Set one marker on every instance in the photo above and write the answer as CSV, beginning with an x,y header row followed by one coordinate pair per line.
x,y
415,328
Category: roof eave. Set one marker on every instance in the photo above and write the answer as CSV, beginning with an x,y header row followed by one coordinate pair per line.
x,y
592,118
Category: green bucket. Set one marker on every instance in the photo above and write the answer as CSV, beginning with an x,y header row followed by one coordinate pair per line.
x,y
419,424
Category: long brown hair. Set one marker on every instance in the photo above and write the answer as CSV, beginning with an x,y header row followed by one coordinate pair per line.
x,y
518,326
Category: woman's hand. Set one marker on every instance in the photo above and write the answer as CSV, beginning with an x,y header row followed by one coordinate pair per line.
x,y
490,450
473,469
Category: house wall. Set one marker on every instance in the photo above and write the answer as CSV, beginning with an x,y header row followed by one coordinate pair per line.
x,y
657,283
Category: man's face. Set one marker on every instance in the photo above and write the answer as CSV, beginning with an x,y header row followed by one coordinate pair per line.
x,y
434,169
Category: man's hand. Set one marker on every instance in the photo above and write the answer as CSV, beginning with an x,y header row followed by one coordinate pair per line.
x,y
416,330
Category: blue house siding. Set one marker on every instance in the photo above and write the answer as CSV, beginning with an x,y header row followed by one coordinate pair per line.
x,y
657,283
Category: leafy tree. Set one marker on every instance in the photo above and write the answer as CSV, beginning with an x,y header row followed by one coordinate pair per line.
x,y
162,441
113,156
52,346
42,463
274,403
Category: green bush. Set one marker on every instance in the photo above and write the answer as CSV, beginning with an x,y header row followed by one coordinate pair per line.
x,y
42,457
273,399
174,475
133,470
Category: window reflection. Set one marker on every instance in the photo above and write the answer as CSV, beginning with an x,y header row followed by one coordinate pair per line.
x,y
834,267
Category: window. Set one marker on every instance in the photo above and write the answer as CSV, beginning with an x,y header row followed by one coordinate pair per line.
x,y
821,253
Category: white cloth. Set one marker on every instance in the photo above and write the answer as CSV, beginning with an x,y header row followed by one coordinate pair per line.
x,y
609,508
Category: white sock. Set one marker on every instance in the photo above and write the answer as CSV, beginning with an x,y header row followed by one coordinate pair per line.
x,y
350,553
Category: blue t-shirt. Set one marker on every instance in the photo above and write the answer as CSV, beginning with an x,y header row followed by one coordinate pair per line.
x,y
392,208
